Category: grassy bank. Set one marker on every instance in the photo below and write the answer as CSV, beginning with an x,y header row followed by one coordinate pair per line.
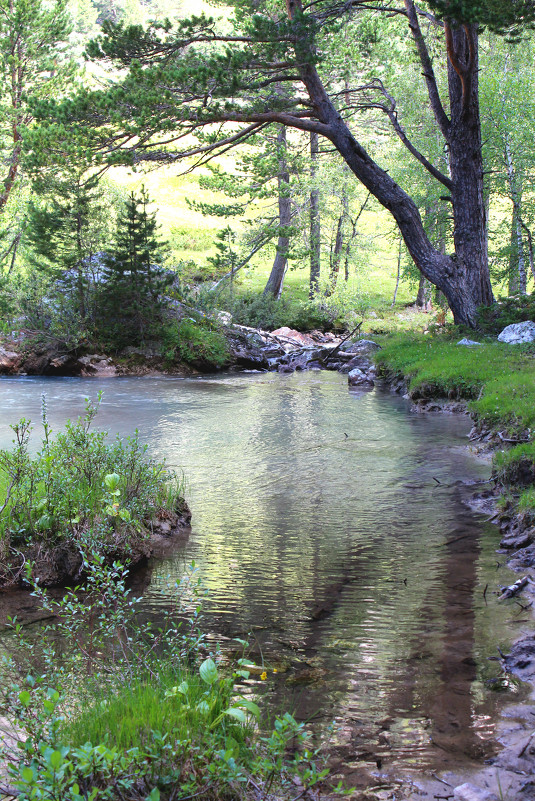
x,y
496,380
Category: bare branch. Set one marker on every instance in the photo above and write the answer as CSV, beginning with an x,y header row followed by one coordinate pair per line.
x,y
428,72
392,113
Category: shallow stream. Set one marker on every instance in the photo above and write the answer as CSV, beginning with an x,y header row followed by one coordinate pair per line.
x,y
330,531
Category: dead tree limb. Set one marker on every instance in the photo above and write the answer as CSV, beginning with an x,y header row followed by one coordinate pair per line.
x,y
513,589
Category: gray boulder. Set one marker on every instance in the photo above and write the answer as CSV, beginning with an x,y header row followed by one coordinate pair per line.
x,y
469,792
362,362
468,342
518,333
358,378
362,346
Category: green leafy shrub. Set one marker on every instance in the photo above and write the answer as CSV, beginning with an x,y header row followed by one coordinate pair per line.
x,y
264,311
518,309
126,710
81,487
196,341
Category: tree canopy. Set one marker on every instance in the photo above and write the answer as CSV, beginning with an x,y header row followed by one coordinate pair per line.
x,y
509,17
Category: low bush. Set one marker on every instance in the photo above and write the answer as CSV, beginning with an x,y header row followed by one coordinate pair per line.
x,y
518,309
81,488
125,711
264,311
196,341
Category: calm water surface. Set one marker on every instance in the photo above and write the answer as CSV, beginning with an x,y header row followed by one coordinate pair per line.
x,y
330,531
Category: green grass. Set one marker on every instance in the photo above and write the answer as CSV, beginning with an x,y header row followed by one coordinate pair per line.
x,y
526,503
497,379
126,716
517,465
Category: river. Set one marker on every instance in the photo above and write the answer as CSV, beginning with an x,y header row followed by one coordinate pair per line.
x,y
329,529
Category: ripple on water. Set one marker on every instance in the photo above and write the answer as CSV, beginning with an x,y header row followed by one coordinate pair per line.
x,y
329,531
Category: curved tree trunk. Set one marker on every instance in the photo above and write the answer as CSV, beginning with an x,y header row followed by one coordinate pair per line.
x,y
463,278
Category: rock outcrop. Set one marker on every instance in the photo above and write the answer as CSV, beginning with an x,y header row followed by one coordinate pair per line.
x,y
358,378
9,362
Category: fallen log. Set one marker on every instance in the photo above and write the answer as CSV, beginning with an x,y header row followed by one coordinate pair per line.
x,y
513,589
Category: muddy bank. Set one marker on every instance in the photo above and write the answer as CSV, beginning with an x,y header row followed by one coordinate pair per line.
x,y
61,564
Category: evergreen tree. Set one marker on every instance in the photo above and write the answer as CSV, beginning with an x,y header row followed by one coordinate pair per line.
x,y
67,229
178,82
134,282
33,36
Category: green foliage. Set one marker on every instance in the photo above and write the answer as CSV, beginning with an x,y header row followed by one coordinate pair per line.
x,y
131,298
33,36
69,223
493,319
196,341
264,311
140,712
510,17
81,488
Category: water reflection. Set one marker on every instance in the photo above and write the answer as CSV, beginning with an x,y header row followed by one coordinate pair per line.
x,y
330,533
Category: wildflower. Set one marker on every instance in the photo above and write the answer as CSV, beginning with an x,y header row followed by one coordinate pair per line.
x,y
263,676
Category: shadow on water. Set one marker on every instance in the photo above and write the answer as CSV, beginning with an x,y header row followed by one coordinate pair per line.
x,y
330,533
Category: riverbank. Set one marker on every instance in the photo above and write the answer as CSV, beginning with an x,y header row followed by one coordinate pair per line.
x,y
363,529
495,384
240,347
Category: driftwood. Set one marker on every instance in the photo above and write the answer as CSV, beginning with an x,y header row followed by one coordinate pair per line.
x,y
513,589
512,441
337,348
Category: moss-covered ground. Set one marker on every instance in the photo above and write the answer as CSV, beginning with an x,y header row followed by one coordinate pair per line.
x,y
497,381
